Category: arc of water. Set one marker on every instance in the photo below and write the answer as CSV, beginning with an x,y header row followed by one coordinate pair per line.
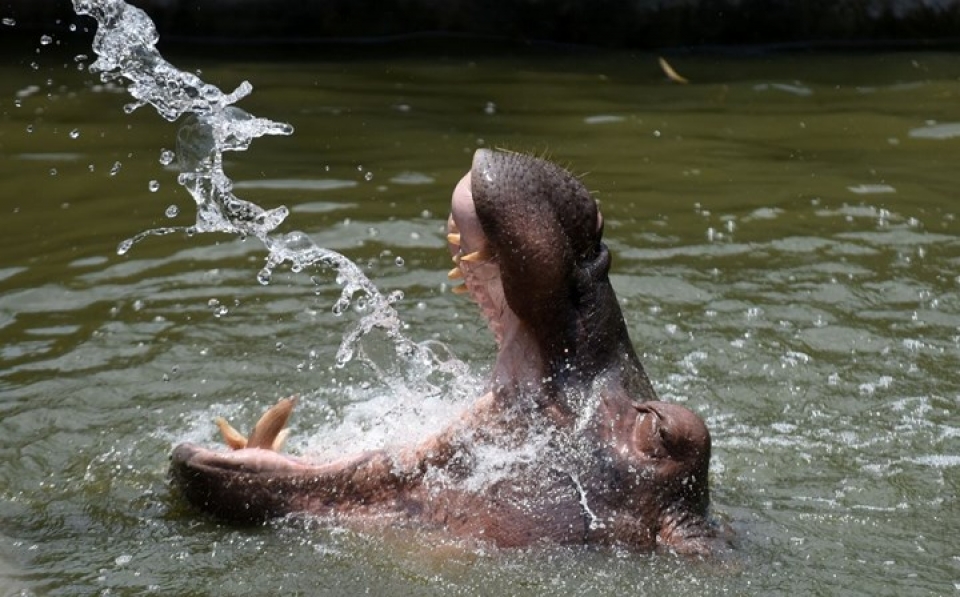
x,y
125,46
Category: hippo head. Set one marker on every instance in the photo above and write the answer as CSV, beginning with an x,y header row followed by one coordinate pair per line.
x,y
526,237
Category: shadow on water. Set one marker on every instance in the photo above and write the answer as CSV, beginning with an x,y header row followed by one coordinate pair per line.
x,y
785,248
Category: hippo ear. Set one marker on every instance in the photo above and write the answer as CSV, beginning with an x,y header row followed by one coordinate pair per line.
x,y
542,224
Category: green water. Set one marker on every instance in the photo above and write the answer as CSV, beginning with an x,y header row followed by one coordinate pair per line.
x,y
785,247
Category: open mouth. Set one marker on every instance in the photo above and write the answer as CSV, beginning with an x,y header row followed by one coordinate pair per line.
x,y
474,261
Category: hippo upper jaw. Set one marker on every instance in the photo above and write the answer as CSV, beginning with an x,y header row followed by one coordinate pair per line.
x,y
528,243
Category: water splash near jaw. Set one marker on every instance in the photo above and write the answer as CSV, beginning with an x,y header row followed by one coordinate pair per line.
x,y
125,46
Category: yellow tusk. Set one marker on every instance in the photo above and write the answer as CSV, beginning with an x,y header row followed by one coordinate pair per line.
x,y
459,289
233,438
455,274
453,226
454,238
481,255
271,424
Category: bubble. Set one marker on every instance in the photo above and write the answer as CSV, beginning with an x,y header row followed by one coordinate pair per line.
x,y
166,157
399,261
75,134
115,169
153,186
172,211
490,108
368,176
53,171
9,22
45,40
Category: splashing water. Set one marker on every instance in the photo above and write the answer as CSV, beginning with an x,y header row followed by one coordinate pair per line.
x,y
125,46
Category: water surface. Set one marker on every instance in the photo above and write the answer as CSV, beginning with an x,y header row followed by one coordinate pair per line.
x,y
785,248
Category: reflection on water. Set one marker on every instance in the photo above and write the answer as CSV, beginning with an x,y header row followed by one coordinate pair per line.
x,y
785,247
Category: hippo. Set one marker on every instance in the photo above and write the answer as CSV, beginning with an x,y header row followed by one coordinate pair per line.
x,y
586,453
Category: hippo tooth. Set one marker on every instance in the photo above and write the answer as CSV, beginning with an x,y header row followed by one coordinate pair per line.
x,y
271,424
280,440
233,438
454,238
481,255
460,289
455,274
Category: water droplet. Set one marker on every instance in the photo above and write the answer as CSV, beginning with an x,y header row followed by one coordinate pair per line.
x,y
72,27
399,261
29,128
166,157
34,66
137,305
75,134
153,186
17,103
340,306
80,58
490,108
115,169
368,176
279,345
45,40
172,211
9,22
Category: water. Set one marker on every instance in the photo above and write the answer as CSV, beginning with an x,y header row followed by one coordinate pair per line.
x,y
785,247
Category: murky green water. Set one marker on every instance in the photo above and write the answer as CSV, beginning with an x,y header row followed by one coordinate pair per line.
x,y
786,248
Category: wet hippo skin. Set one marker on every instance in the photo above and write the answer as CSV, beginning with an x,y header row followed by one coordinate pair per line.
x,y
592,455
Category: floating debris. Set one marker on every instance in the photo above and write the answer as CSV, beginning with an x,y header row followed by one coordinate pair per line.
x,y
671,74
